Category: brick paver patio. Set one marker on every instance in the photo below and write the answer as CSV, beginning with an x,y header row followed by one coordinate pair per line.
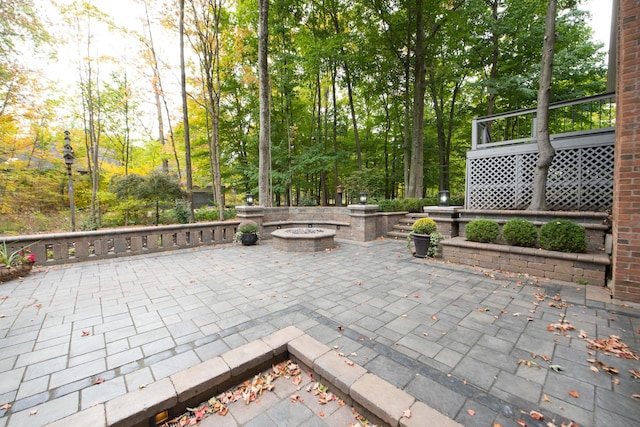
x,y
474,345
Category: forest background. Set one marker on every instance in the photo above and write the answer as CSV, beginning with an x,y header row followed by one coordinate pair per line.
x,y
372,95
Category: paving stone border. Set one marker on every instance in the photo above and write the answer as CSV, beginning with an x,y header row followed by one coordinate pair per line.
x,y
372,396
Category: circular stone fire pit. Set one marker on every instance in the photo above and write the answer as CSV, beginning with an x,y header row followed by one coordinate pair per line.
x,y
303,239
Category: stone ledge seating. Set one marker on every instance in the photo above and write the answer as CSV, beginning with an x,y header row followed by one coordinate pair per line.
x,y
370,395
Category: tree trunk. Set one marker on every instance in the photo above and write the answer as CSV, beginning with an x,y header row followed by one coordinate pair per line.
x,y
265,120
417,130
185,117
546,151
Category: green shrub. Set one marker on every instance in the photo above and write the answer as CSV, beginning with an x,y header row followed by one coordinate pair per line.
x,y
424,226
386,205
181,211
482,230
520,232
564,236
211,214
410,205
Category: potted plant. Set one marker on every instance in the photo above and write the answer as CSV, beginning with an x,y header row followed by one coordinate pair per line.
x,y
247,233
16,263
421,235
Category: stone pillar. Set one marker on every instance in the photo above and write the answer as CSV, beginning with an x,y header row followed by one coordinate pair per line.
x,y
626,198
253,213
446,217
363,222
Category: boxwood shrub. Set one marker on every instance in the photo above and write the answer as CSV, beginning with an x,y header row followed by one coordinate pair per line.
x,y
482,230
564,236
520,232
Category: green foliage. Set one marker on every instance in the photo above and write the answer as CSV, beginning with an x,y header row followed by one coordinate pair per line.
x,y
564,236
206,214
434,244
386,205
245,227
520,232
409,204
181,211
307,201
424,226
482,230
19,256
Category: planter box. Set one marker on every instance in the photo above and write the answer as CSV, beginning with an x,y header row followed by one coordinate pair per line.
x,y
590,268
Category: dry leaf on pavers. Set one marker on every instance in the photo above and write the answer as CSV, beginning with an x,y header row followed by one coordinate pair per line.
x,y
5,406
471,412
297,380
583,334
522,423
85,333
613,345
609,369
529,363
574,393
556,368
406,413
497,425
546,398
34,412
321,413
634,372
434,317
296,398
98,381
636,396
594,369
536,415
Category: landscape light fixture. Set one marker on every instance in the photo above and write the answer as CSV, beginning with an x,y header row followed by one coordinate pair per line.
x,y
67,153
444,197
363,198
249,199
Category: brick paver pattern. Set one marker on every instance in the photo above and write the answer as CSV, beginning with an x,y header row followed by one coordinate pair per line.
x,y
475,345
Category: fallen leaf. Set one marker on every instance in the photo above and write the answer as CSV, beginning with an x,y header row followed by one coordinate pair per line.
x,y
297,380
574,393
594,369
471,412
38,305
434,317
497,425
636,396
295,398
556,368
35,411
615,381
98,381
546,398
406,413
349,362
5,406
85,333
522,423
321,413
340,328
536,415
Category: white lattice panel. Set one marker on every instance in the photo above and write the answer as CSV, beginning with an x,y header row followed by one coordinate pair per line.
x,y
580,178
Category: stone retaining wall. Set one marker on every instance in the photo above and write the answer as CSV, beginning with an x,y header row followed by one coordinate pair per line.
x,y
587,268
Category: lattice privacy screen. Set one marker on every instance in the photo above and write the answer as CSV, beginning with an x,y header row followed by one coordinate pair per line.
x,y
580,179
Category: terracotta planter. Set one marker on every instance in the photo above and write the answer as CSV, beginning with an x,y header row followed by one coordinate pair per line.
x,y
421,243
13,272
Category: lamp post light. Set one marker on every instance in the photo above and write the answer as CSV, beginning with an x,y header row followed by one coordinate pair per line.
x,y
67,153
249,199
363,198
444,197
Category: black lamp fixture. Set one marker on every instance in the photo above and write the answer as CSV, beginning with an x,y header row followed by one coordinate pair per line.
x,y
363,198
249,199
444,197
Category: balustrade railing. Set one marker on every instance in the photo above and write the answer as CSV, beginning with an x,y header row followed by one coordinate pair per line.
x,y
58,248
584,115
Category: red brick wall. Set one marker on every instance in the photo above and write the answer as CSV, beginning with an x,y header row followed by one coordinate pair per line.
x,y
626,194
